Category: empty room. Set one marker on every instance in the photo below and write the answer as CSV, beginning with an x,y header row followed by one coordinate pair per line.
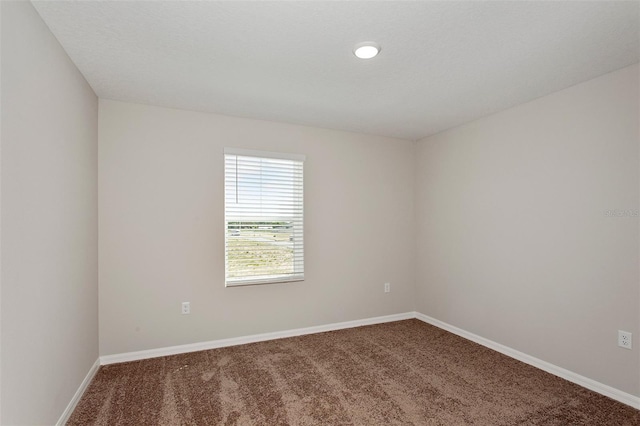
x,y
319,212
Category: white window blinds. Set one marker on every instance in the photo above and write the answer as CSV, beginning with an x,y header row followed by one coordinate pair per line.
x,y
264,238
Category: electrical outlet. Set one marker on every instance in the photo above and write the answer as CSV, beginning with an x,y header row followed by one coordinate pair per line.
x,y
387,287
186,308
624,339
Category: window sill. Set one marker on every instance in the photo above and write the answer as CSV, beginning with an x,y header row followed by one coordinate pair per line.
x,y
242,283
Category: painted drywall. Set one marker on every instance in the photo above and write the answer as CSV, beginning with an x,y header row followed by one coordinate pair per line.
x,y
515,241
162,218
49,222
0,211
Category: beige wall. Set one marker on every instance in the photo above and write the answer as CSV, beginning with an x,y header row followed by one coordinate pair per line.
x,y
49,222
513,242
0,214
162,218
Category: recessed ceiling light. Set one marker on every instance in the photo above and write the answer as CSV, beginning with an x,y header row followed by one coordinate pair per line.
x,y
366,50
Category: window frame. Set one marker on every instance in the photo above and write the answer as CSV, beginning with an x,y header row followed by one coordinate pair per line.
x,y
283,278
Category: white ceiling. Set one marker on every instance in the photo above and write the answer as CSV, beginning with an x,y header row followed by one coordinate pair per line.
x,y
442,63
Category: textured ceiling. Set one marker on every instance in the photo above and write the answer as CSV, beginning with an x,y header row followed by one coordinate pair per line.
x,y
442,63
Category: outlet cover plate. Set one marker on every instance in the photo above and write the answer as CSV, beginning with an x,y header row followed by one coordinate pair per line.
x,y
624,339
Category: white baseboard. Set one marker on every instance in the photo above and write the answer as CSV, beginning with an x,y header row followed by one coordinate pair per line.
x,y
76,398
213,344
585,382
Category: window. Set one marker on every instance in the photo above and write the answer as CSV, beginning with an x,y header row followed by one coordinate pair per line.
x,y
263,217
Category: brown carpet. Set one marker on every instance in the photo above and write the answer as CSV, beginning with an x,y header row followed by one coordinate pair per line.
x,y
404,372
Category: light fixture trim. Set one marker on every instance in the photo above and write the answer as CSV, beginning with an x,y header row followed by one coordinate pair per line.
x,y
366,49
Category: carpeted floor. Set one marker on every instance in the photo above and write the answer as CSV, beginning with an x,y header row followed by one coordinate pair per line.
x,y
404,372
